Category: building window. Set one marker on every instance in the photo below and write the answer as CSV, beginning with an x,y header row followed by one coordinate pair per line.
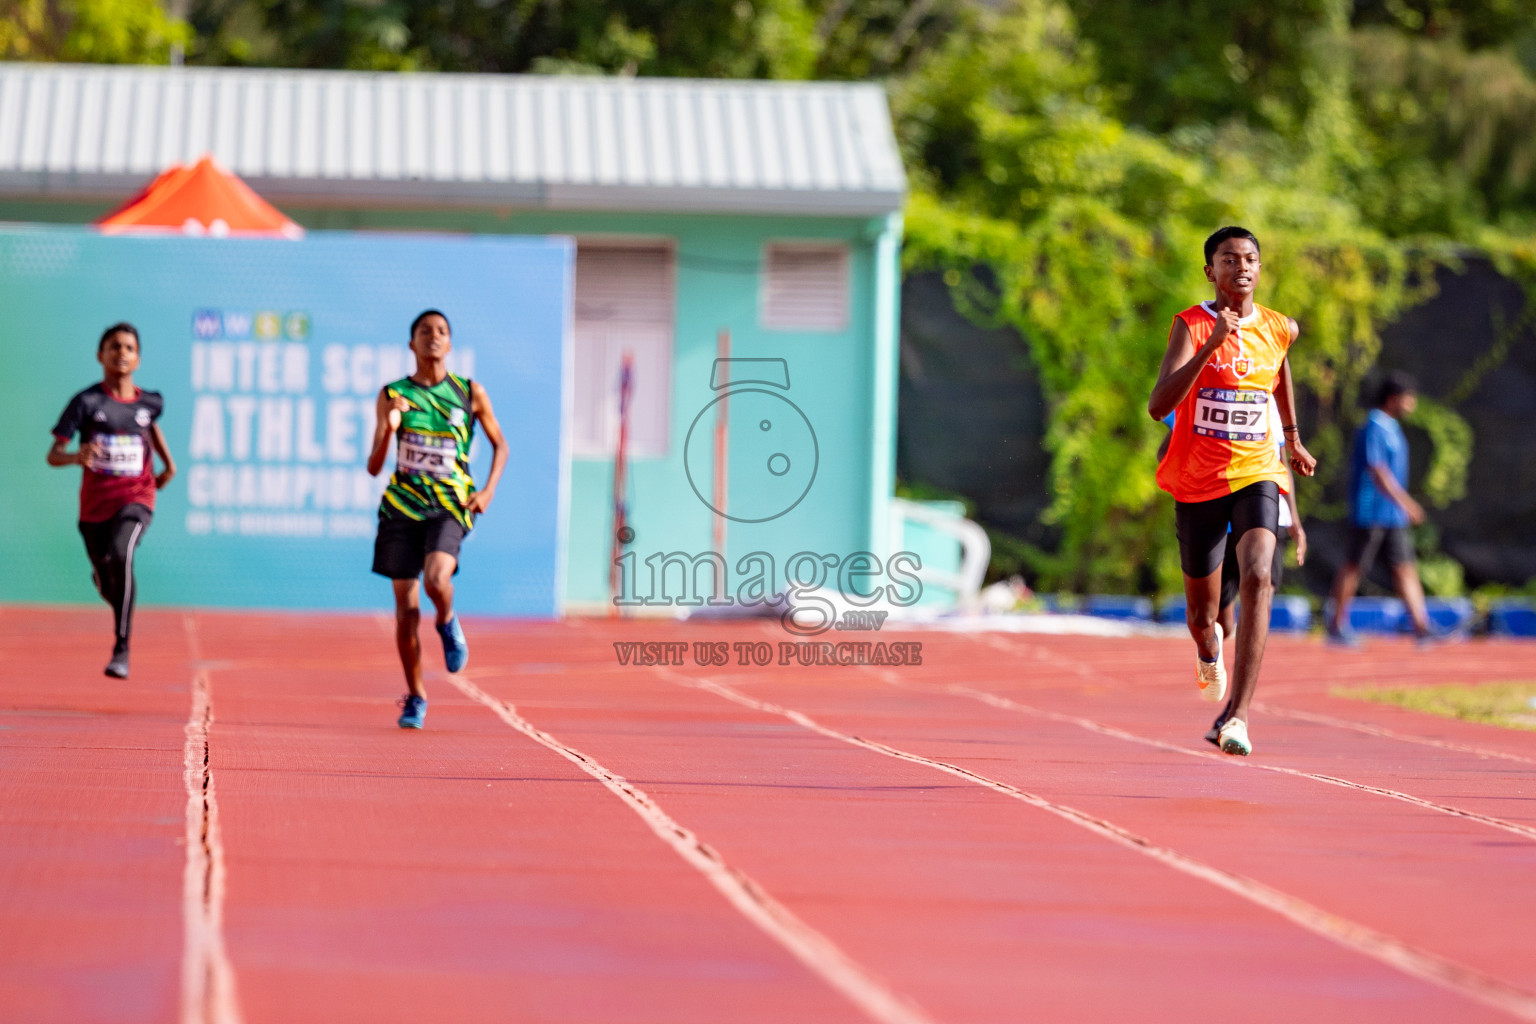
x,y
624,303
805,286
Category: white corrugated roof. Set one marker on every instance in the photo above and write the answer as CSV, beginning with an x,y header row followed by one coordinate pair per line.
x,y
359,138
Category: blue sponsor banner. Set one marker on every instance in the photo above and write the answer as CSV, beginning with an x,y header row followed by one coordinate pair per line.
x,y
270,355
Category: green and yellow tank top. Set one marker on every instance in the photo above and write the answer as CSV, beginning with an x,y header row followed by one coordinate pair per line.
x,y
431,452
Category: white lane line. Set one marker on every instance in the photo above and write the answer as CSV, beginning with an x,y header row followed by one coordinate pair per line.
x,y
1351,935
1236,762
207,977
1089,724
1388,734
866,991
1269,709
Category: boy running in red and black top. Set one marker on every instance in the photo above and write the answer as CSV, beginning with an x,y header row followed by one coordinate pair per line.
x,y
116,423
1224,360
431,502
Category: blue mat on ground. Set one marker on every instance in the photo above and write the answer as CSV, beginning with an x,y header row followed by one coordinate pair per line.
x,y
1512,617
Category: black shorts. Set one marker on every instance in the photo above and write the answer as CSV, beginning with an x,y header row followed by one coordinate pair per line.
x,y
1229,572
401,547
1366,542
1202,525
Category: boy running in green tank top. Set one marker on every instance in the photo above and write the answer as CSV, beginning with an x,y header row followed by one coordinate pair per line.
x,y
431,502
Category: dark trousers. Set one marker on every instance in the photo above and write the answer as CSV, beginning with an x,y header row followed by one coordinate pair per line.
x,y
111,546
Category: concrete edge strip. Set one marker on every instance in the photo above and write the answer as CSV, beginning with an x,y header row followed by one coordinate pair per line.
x,y
207,977
810,947
1378,946
1008,704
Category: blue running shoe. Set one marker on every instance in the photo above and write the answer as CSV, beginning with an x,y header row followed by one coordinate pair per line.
x,y
413,712
455,647
1343,638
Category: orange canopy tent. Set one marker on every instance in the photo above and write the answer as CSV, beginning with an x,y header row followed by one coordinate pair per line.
x,y
203,199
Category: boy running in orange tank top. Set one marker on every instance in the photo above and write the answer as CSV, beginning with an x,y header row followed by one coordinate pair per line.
x,y
1224,360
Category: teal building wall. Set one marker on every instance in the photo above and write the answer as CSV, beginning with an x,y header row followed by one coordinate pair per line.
x,y
844,382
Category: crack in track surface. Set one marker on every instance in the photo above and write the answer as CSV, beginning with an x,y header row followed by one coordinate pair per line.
x,y
818,953
207,978
1351,935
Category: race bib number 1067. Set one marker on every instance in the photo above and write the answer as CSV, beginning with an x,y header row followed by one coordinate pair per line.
x,y
1232,415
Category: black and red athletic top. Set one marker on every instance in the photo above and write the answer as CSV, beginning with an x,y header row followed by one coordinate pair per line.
x,y
124,473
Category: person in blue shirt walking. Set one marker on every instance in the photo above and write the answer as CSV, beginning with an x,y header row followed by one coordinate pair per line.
x,y
1381,509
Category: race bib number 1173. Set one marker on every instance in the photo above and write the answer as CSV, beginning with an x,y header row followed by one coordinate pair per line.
x,y
427,454
1232,415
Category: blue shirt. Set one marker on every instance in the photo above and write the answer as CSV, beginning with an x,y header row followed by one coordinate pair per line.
x,y
1380,442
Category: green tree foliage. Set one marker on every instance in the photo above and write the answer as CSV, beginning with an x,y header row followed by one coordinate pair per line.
x,y
89,31
697,38
1067,158
1206,61
1455,131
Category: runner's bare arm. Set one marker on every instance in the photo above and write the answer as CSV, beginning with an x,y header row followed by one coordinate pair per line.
x,y
481,499
386,420
1182,363
163,450
59,454
1298,532
1285,403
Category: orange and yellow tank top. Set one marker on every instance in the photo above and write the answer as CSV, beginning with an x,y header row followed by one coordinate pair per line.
x,y
1222,432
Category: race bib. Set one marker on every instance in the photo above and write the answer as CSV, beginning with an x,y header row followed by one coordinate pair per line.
x,y
426,454
1232,415
118,455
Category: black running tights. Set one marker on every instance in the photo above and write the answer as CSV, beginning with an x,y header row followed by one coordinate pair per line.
x,y
111,545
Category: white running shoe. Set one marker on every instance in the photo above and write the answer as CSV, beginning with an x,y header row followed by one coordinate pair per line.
x,y
1234,738
1211,676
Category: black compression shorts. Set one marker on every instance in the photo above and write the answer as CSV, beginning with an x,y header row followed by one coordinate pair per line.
x,y
401,547
1202,525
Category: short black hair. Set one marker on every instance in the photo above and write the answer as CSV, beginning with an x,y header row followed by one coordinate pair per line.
x,y
1221,235
1395,383
124,327
426,313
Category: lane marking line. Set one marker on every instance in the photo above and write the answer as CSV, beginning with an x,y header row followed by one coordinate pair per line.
x,y
1270,709
207,977
1389,734
1349,934
810,947
1007,704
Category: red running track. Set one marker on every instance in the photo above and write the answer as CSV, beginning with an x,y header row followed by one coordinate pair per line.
x,y
1020,828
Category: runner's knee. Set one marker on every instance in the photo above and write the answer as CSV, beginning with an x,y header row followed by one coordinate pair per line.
x,y
438,576
1259,577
